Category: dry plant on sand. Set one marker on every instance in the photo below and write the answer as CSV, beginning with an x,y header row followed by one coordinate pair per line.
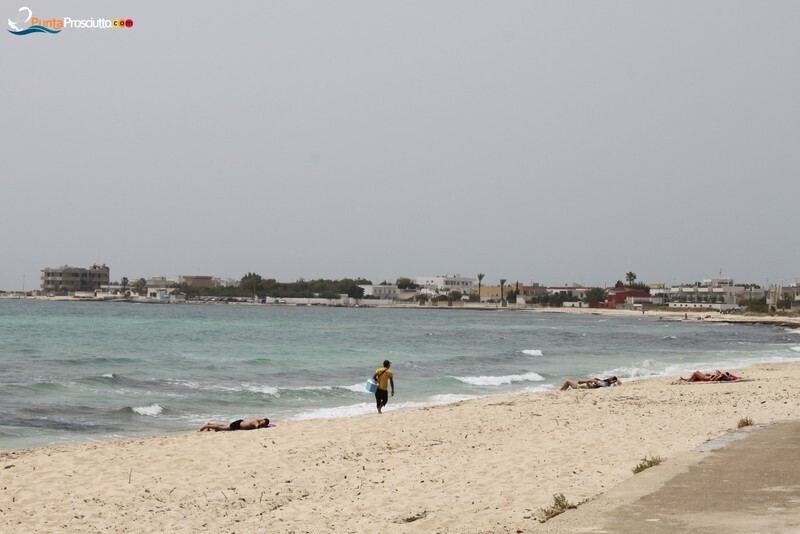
x,y
744,422
647,463
559,506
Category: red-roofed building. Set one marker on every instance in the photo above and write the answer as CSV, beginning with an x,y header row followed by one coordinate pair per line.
x,y
625,295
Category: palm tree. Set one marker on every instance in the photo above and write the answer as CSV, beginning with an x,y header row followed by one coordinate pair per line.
x,y
630,276
140,286
480,279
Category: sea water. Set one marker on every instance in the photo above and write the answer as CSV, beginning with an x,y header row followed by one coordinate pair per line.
x,y
82,371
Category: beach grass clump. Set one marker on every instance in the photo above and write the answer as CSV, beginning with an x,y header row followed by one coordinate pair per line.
x,y
559,506
647,463
745,421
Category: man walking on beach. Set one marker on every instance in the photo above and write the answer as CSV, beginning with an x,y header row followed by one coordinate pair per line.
x,y
383,376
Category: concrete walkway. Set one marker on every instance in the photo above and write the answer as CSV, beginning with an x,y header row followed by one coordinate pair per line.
x,y
745,482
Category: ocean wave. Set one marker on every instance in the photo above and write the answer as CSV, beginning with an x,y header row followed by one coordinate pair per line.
x,y
796,349
151,411
532,352
450,398
499,380
245,388
337,412
40,386
309,388
89,360
118,380
356,388
538,389
364,408
190,384
47,423
265,390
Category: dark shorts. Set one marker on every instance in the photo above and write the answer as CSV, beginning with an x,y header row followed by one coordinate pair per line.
x,y
382,396
236,424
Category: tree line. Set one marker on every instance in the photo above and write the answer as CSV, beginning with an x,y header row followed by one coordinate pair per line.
x,y
254,284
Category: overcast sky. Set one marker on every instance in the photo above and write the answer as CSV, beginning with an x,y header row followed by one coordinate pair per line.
x,y
549,142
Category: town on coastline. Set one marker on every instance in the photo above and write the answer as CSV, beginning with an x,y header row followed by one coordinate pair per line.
x,y
449,290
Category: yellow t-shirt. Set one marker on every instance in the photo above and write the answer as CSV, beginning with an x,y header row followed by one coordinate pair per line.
x,y
383,378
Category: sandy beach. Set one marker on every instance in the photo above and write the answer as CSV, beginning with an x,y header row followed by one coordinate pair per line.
x,y
486,465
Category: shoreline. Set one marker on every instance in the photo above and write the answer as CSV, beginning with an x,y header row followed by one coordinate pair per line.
x,y
673,314
346,410
487,464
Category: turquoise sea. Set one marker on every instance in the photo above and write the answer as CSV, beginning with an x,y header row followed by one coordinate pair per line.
x,y
81,371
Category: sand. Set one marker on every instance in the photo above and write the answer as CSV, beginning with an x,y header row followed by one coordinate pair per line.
x,y
486,465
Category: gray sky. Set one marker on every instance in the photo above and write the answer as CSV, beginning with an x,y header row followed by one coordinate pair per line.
x,y
535,141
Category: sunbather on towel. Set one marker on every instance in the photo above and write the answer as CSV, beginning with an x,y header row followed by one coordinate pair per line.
x,y
591,383
239,424
716,376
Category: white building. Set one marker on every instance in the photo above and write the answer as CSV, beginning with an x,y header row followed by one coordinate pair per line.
x,y
784,297
570,290
718,293
386,291
447,283
381,291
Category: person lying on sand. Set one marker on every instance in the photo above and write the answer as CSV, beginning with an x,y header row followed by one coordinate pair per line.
x,y
716,376
592,383
239,424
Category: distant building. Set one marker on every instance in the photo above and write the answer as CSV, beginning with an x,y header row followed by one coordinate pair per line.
x,y
382,291
569,291
159,282
492,293
533,291
447,283
626,296
71,279
784,297
198,281
719,293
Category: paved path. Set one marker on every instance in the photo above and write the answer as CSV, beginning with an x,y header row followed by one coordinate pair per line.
x,y
745,482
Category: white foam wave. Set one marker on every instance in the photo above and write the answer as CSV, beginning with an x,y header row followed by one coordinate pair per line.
x,y
356,388
309,388
539,388
253,388
498,380
364,408
107,375
337,412
532,352
266,390
796,349
152,410
182,383
450,398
